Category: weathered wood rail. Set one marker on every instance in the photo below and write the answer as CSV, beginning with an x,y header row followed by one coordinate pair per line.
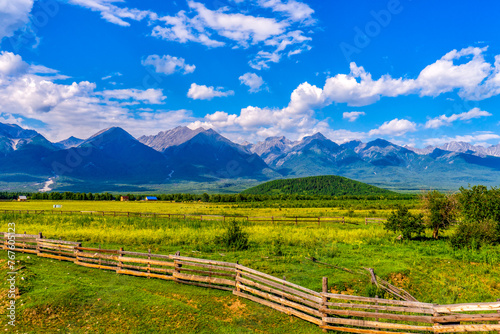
x,y
337,312
374,220
200,217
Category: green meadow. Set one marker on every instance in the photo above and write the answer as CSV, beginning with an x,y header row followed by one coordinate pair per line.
x,y
63,296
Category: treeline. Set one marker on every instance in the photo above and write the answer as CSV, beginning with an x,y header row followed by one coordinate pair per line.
x,y
214,198
327,185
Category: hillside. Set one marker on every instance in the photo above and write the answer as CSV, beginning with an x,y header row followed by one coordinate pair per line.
x,y
331,185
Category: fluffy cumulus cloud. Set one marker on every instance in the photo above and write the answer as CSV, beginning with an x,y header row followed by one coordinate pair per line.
x,y
34,94
254,82
396,127
167,64
465,71
447,120
202,92
353,115
13,15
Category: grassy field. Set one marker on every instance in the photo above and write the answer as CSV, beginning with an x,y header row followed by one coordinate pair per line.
x,y
430,270
347,208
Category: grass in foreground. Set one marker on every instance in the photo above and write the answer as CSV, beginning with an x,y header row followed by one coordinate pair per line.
x,y
61,297
430,270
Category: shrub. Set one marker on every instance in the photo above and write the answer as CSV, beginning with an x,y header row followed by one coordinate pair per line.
x,y
277,245
440,211
475,234
480,210
405,222
234,237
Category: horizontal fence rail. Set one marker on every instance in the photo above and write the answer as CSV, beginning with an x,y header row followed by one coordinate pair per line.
x,y
337,312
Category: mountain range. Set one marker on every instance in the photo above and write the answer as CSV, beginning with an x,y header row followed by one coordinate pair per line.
x,y
113,160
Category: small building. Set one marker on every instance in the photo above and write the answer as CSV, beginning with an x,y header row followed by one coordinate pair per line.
x,y
124,199
150,198
22,199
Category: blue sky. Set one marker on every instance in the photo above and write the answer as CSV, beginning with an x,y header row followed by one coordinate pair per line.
x,y
415,72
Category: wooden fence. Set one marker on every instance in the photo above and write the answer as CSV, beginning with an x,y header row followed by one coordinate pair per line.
x,y
200,217
338,312
374,220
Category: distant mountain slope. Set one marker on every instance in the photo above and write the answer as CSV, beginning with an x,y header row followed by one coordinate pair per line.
x,y
23,151
68,143
169,138
208,156
181,155
111,154
316,185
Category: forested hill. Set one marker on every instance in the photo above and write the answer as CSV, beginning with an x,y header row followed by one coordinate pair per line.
x,y
316,185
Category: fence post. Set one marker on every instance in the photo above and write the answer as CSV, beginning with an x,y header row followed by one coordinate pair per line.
x,y
324,300
38,249
177,266
319,221
59,249
76,251
120,263
295,220
100,260
283,296
366,221
238,276
343,220
498,300
149,264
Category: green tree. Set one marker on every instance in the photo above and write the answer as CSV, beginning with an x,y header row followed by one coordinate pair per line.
x,y
480,211
402,220
440,211
205,197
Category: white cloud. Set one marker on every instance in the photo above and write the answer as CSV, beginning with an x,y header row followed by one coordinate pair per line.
x,y
444,76
344,88
167,64
180,28
358,88
253,81
445,120
224,26
304,99
353,115
396,127
475,79
475,138
14,14
12,64
114,14
295,10
152,96
112,75
202,92
74,109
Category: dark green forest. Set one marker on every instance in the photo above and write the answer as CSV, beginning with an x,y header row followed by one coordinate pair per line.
x,y
328,185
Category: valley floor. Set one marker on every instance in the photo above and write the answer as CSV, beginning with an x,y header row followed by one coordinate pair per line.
x,y
62,296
